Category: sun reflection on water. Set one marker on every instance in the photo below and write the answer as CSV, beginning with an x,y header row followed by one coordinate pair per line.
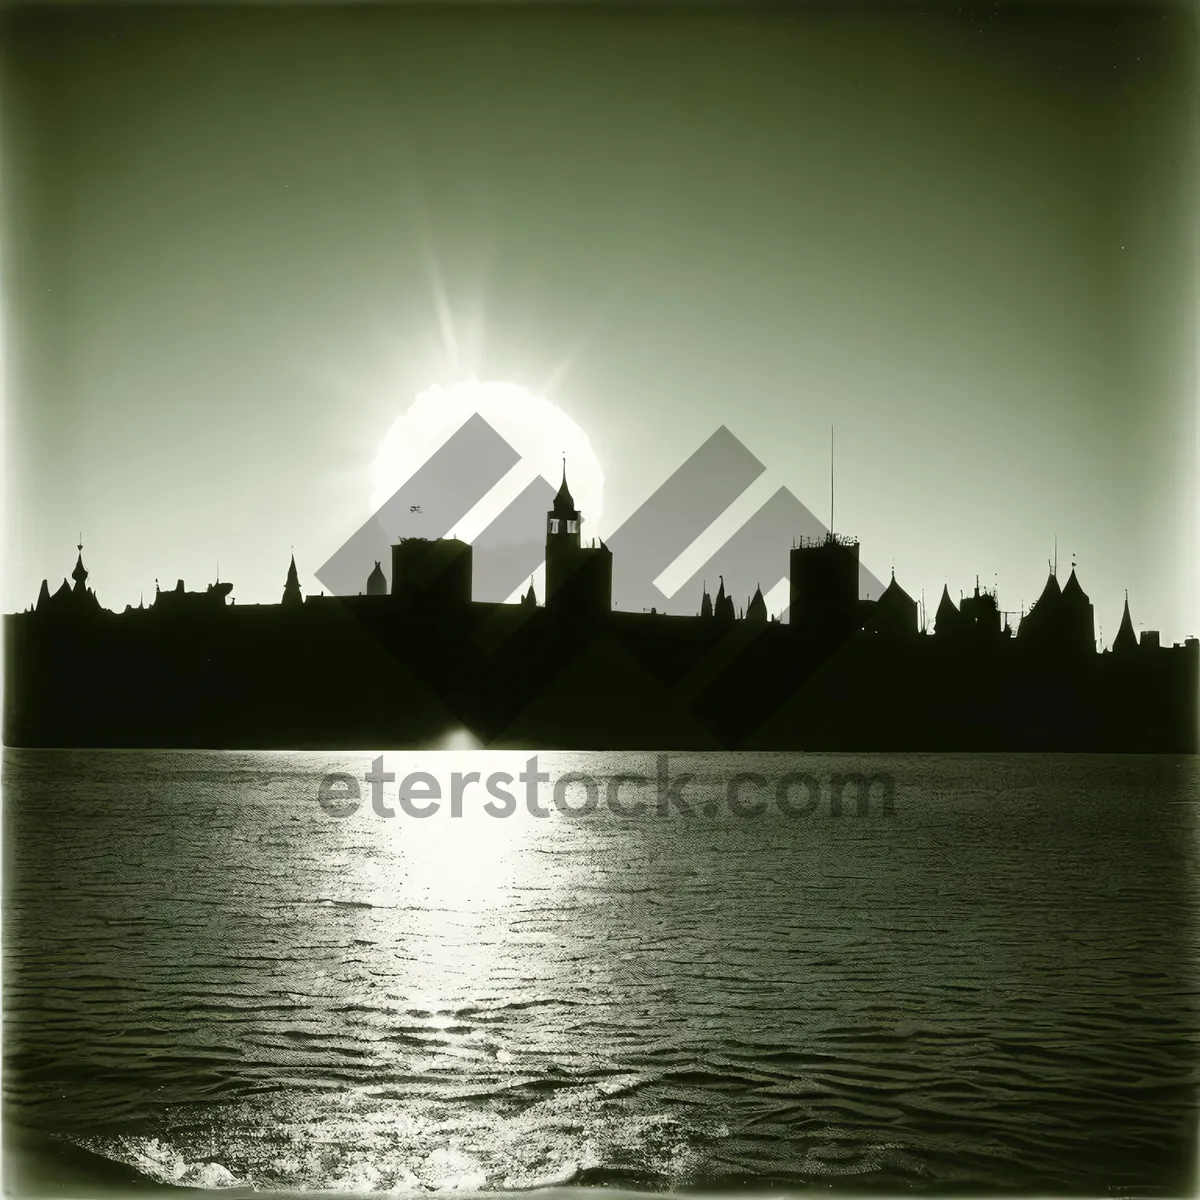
x,y
446,887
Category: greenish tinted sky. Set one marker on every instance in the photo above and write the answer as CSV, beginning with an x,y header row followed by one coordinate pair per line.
x,y
966,236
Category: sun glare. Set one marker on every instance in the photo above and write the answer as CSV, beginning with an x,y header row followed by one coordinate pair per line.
x,y
536,428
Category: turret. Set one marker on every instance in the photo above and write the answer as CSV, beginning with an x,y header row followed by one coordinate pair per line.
x,y
82,597
1126,640
948,620
292,597
1078,617
578,577
377,581
723,609
895,613
756,610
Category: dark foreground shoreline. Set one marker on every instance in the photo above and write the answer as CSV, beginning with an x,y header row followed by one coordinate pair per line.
x,y
36,1164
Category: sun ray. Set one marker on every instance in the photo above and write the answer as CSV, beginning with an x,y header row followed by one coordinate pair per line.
x,y
566,364
539,430
437,286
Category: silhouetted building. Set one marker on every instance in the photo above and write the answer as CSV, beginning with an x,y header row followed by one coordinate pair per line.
x,y
432,571
981,613
824,588
377,581
1150,640
181,603
67,600
706,607
195,670
894,614
1062,620
578,577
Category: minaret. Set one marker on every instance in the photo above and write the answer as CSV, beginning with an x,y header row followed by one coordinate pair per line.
x,y
291,589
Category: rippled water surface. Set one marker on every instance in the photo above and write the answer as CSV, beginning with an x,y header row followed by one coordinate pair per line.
x,y
211,979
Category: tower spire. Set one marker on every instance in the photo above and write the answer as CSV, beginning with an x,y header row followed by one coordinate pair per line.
x,y
831,481
564,503
80,573
292,595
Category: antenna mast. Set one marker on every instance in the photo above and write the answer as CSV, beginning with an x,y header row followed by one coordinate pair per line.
x,y
831,481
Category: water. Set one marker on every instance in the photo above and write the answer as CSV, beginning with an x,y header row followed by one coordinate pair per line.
x,y
212,980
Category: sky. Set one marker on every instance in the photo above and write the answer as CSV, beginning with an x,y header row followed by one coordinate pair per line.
x,y
238,242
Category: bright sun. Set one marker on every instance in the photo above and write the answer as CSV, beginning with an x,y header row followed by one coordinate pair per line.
x,y
536,428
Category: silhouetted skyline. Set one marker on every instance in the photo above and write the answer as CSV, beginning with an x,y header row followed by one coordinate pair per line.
x,y
844,672
241,241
